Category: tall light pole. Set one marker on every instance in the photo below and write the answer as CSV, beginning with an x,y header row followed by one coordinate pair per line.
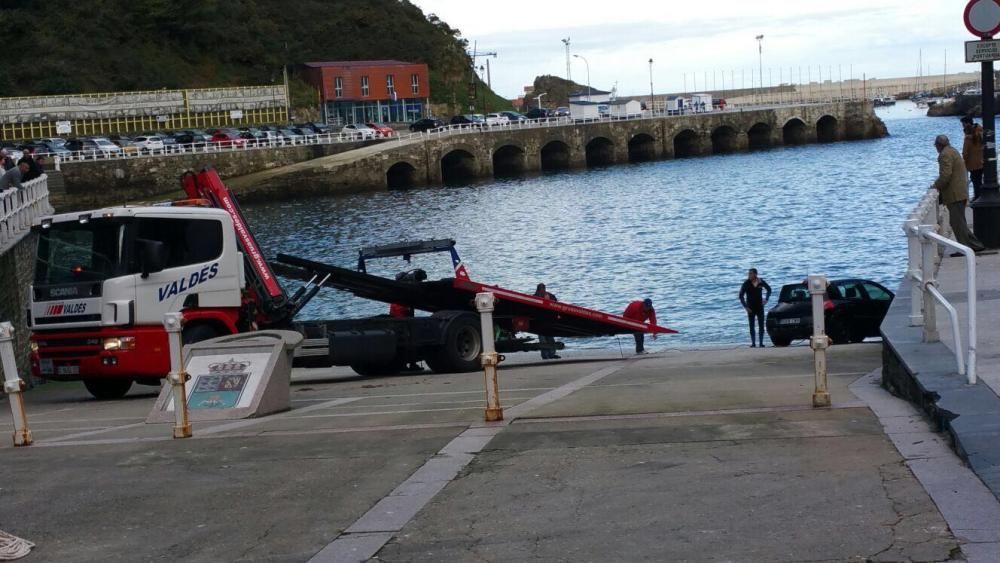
x,y
760,61
569,73
650,86
539,97
584,59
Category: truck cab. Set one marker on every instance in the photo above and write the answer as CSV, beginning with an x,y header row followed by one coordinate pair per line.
x,y
104,279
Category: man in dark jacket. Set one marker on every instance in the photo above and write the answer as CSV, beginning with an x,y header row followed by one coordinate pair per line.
x,y
954,192
547,353
753,299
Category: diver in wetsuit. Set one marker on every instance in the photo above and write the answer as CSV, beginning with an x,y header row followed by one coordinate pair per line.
x,y
753,302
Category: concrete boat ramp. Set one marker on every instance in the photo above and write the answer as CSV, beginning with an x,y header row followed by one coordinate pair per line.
x,y
679,455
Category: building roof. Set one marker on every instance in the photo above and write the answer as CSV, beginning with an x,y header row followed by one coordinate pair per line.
x,y
621,102
349,64
586,103
592,92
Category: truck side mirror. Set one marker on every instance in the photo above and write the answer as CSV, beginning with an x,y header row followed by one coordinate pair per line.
x,y
152,256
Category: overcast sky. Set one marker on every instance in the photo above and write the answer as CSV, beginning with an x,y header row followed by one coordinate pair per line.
x,y
880,38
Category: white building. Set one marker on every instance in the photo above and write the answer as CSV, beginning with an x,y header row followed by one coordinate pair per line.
x,y
584,110
624,108
591,95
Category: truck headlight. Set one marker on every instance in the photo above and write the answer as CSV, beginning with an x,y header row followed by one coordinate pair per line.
x,y
119,343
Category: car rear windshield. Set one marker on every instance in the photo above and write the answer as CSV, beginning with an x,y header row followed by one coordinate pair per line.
x,y
794,293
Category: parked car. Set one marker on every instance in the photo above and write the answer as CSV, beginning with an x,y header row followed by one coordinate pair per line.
x,y
514,116
12,151
426,124
306,131
562,112
169,141
44,147
148,143
497,119
290,135
382,129
228,138
127,145
191,139
359,131
468,120
853,309
321,128
93,146
538,113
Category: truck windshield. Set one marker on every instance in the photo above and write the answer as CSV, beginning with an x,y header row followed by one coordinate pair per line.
x,y
75,252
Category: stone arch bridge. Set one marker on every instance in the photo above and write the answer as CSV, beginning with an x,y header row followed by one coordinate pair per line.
x,y
501,152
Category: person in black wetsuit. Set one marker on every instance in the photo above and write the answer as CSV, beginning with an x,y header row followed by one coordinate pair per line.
x,y
752,298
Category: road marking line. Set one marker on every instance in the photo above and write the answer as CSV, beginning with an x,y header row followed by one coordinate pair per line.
x,y
641,416
395,396
369,533
255,421
91,433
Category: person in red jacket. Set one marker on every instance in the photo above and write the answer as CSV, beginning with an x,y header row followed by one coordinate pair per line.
x,y
641,311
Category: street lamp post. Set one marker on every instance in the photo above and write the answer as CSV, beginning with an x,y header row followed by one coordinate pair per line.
x,y
760,61
538,99
584,59
650,86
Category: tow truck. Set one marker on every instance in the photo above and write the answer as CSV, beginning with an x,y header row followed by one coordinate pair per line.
x,y
105,278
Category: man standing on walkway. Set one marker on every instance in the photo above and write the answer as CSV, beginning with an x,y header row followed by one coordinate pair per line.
x,y
954,193
753,299
547,353
972,153
641,311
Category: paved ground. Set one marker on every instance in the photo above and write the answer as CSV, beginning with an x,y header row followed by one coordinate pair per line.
x,y
682,455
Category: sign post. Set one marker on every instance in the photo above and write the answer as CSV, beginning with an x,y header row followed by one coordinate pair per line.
x,y
982,19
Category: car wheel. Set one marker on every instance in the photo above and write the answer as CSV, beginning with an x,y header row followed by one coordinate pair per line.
x,y
838,330
108,389
780,341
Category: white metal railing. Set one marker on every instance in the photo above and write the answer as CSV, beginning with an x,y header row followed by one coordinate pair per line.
x,y
20,207
447,130
925,246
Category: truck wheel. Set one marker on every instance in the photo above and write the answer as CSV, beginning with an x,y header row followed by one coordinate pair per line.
x,y
107,389
461,348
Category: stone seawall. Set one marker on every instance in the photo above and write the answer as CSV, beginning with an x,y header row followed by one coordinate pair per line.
x,y
98,183
16,269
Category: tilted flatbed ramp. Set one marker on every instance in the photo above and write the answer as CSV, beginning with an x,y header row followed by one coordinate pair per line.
x,y
524,312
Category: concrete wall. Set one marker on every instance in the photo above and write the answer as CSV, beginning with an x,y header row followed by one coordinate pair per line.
x,y
16,269
97,183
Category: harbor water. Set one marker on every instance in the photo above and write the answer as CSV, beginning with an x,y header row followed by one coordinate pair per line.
x,y
681,232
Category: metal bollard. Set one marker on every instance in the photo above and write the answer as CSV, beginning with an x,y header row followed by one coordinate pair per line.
x,y
927,268
819,341
174,324
913,272
489,357
13,386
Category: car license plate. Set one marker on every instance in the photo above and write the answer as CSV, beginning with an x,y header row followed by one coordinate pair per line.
x,y
45,367
789,321
68,370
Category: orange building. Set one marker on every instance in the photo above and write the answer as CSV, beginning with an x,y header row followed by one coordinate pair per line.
x,y
370,91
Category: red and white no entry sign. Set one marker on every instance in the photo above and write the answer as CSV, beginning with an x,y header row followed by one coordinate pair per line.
x,y
982,17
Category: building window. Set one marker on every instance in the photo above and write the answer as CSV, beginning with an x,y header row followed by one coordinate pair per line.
x,y
390,87
364,85
338,87
414,84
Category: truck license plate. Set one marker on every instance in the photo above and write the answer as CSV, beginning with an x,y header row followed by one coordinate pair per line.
x,y
68,370
789,321
45,367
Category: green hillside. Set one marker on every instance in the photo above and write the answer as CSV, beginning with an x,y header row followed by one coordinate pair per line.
x,y
63,46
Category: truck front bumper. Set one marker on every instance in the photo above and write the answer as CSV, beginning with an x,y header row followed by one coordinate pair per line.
x,y
84,354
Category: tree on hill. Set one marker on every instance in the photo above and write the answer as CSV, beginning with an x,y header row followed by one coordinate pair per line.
x,y
64,46
556,91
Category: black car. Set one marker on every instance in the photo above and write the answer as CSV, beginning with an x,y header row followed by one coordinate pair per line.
x,y
538,113
853,308
426,124
468,120
514,116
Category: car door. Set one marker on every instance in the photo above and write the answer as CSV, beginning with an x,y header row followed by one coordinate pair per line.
x,y
878,299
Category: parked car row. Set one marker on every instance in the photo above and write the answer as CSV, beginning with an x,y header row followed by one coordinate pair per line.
x,y
501,118
169,141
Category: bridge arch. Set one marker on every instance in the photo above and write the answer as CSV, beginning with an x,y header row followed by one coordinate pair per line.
x,y
826,129
686,144
458,166
793,132
600,152
641,148
724,140
401,176
508,161
759,136
555,156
